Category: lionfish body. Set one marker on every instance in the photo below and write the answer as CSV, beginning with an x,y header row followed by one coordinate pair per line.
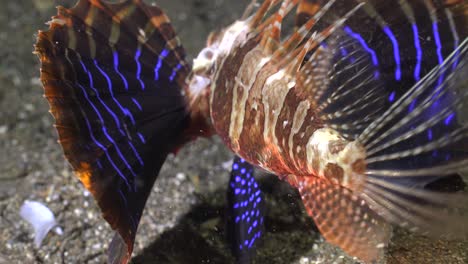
x,y
359,108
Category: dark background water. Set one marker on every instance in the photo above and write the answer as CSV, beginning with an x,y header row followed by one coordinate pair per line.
x,y
184,218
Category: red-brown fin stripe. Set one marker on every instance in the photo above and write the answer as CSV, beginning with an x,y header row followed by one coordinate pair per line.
x,y
120,13
271,40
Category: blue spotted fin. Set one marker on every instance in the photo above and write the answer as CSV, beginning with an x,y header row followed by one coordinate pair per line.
x,y
245,211
114,75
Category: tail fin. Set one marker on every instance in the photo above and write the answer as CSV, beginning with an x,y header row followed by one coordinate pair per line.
x,y
113,75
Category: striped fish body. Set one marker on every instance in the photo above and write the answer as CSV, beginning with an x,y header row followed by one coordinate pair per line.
x,y
261,117
347,109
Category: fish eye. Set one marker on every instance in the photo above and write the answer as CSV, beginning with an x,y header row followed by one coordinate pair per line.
x,y
207,53
204,61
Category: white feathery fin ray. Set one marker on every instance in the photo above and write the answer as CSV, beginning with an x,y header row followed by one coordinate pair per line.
x,y
431,116
437,132
428,212
344,87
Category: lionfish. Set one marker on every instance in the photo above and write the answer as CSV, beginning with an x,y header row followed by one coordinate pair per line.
x,y
359,106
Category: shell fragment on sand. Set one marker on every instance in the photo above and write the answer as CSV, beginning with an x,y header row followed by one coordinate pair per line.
x,y
41,218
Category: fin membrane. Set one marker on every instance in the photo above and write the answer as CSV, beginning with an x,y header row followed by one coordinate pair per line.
x,y
245,211
345,219
113,75
383,50
421,139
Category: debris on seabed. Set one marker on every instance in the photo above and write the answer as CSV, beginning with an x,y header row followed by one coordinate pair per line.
x,y
41,218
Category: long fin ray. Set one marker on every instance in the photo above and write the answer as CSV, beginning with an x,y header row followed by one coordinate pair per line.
x,y
422,210
435,126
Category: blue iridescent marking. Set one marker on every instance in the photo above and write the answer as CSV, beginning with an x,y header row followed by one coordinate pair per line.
x,y
136,153
417,45
137,104
255,223
104,130
244,205
396,52
142,138
161,57
123,198
343,52
391,98
106,153
447,156
116,68
438,43
91,85
412,106
252,241
429,134
109,87
174,72
363,44
449,118
99,164
138,71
